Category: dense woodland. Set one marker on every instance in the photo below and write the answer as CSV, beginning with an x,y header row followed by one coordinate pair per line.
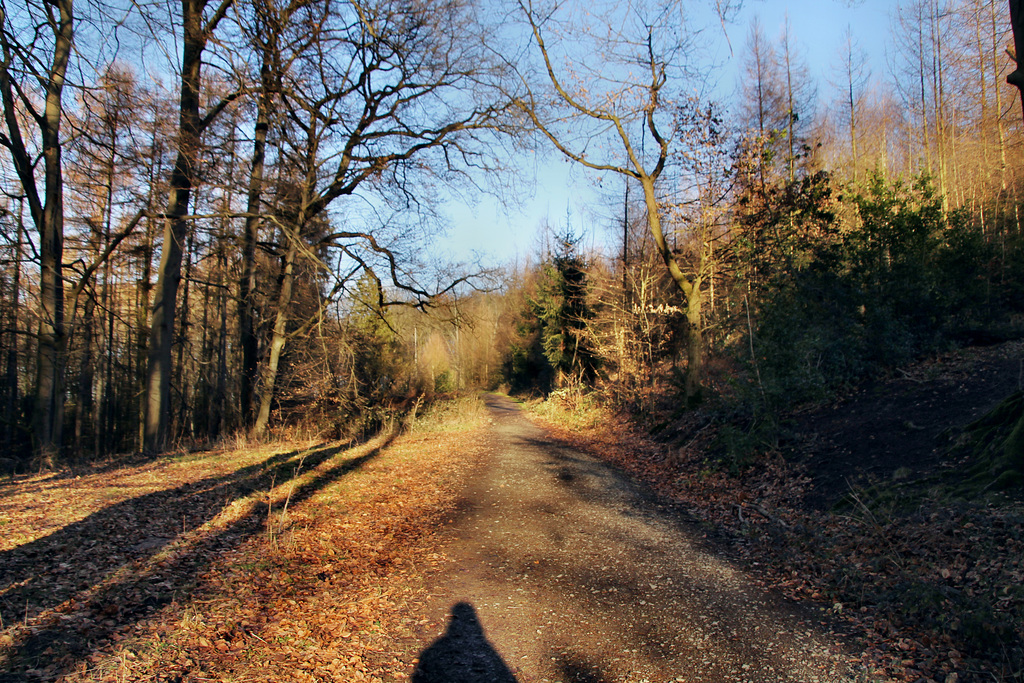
x,y
216,216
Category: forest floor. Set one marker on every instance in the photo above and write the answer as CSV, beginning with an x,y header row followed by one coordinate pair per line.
x,y
289,562
858,506
313,561
372,562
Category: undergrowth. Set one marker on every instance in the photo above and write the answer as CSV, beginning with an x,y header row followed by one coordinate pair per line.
x,y
451,414
932,585
572,408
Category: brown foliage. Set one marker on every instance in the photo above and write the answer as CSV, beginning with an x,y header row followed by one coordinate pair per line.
x,y
266,565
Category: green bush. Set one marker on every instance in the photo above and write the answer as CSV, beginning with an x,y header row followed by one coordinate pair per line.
x,y
837,301
444,382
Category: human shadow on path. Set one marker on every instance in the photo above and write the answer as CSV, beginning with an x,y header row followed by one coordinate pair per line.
x,y
463,654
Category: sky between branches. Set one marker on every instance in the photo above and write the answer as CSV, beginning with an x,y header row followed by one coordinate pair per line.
x,y
501,234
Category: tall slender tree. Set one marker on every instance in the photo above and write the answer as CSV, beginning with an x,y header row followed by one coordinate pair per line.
x,y
35,52
199,20
620,103
763,101
852,79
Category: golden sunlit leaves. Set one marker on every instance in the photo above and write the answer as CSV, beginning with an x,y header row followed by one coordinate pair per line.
x,y
322,598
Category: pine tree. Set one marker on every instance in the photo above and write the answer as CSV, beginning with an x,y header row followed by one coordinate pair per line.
x,y
563,311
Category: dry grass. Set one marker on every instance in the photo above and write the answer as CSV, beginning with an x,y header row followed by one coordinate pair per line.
x,y
462,413
291,564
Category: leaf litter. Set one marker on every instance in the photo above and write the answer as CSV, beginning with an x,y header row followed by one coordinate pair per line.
x,y
264,564
932,585
307,563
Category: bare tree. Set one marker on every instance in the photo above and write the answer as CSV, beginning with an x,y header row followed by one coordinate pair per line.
x,y
270,25
199,20
620,104
852,80
910,31
800,95
384,92
36,45
763,103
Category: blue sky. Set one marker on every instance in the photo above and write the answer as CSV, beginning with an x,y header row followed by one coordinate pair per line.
x,y
502,234
818,28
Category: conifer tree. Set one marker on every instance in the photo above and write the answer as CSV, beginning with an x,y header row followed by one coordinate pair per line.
x,y
563,311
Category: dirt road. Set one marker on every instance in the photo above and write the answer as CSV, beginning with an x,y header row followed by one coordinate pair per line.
x,y
566,571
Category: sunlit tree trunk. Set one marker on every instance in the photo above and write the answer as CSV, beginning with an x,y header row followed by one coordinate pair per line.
x,y
691,289
997,56
939,98
853,66
183,177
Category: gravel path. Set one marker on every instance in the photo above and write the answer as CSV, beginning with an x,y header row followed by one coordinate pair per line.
x,y
566,571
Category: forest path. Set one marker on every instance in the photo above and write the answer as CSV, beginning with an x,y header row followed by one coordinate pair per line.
x,y
564,570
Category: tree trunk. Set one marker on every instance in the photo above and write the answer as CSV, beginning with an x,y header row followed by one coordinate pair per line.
x,y
11,410
47,214
1015,443
83,410
279,337
694,348
997,57
184,389
690,290
790,113
247,284
161,336
49,400
49,404
143,288
220,385
104,414
851,101
1016,77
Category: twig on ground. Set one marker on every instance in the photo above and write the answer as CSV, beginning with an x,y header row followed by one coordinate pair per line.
x,y
761,511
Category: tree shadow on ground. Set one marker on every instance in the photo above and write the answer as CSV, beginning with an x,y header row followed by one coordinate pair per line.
x,y
69,592
18,485
463,654
16,482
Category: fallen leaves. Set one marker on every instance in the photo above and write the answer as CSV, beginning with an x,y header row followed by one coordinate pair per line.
x,y
934,594
206,573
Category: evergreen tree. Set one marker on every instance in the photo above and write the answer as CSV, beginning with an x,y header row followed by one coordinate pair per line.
x,y
375,346
564,312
